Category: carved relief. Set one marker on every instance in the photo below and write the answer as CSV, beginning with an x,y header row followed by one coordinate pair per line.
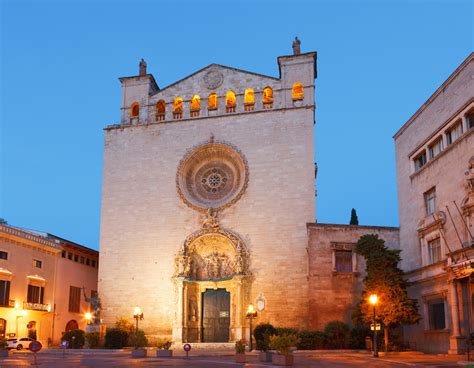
x,y
211,253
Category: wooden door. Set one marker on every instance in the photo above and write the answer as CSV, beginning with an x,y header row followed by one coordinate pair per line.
x,y
215,315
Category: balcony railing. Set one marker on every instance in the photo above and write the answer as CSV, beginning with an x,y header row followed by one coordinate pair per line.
x,y
36,306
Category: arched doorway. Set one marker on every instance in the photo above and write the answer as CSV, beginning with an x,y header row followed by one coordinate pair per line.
x,y
3,328
72,325
32,330
213,286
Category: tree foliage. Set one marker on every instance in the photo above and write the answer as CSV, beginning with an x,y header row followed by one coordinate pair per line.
x,y
386,280
354,218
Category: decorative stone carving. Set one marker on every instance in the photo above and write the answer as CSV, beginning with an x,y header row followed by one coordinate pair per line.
x,y
213,175
211,221
142,67
296,46
212,253
467,203
213,79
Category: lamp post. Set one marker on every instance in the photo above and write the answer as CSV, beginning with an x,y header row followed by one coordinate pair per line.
x,y
373,299
138,315
251,314
88,317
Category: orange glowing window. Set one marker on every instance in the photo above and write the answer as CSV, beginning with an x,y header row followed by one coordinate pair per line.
x,y
178,104
212,101
267,95
160,107
230,99
134,110
298,92
249,96
195,103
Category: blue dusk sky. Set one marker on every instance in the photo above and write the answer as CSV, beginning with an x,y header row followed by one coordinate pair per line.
x,y
378,62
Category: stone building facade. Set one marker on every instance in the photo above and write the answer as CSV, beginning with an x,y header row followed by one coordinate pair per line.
x,y
208,205
43,279
435,171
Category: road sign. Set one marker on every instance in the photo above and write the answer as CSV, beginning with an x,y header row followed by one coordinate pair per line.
x,y
35,346
377,327
187,349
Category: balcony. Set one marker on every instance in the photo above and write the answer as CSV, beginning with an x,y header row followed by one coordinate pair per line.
x,y
10,304
36,306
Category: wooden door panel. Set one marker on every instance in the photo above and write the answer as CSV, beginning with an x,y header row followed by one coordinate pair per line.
x,y
216,315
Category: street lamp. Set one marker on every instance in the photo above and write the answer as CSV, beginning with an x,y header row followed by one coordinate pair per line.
x,y
251,314
373,299
138,315
88,317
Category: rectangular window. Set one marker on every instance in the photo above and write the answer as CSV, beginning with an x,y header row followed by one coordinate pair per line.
x,y
434,250
37,263
470,119
76,258
93,263
3,255
74,299
435,148
63,253
343,260
35,294
82,259
4,293
430,201
436,314
69,256
88,261
454,133
420,161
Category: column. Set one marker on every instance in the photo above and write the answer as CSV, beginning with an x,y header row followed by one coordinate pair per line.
x,y
455,340
178,320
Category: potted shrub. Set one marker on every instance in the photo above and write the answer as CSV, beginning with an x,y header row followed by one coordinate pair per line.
x,y
138,341
262,334
163,348
3,348
283,344
239,351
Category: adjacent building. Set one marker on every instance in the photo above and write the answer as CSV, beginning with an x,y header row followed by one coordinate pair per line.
x,y
43,283
435,171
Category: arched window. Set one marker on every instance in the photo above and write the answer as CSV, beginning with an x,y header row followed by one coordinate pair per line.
x,y
298,92
160,110
178,108
267,98
249,100
134,110
72,325
212,102
230,101
195,105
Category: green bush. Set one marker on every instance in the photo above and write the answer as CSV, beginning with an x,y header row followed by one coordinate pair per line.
x,y
338,335
92,339
286,331
123,323
137,339
283,343
163,344
311,340
75,338
262,333
239,347
357,337
115,338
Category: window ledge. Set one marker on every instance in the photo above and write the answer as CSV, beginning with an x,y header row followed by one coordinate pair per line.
x,y
345,274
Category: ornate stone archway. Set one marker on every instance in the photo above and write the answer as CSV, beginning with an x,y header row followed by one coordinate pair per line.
x,y
211,258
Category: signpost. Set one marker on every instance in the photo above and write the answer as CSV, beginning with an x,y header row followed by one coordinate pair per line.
x,y
187,349
35,346
64,346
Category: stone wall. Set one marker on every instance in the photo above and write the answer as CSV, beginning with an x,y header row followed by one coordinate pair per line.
x,y
333,295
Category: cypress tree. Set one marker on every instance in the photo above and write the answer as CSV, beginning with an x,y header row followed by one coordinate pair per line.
x,y
354,218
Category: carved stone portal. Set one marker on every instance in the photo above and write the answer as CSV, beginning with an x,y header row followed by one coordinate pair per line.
x,y
211,253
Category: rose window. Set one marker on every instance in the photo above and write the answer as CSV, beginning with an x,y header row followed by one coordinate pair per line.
x,y
213,175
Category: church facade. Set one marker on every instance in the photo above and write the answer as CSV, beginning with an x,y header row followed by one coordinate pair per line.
x,y
208,205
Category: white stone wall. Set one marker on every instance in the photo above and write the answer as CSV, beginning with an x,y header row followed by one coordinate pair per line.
x,y
144,222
